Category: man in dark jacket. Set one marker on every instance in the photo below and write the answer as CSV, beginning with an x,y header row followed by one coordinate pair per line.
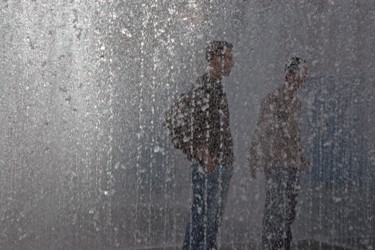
x,y
211,149
276,147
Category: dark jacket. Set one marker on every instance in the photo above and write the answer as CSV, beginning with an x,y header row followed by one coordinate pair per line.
x,y
211,120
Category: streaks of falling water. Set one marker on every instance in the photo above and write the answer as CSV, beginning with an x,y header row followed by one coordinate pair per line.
x,y
108,185
58,116
139,232
152,174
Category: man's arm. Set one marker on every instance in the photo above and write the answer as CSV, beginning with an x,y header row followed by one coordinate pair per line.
x,y
305,162
200,126
204,156
256,148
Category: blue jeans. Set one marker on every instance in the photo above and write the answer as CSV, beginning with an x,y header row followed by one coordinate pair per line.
x,y
280,207
210,191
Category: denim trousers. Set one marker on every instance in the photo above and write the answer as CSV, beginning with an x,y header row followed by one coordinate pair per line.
x,y
282,185
210,191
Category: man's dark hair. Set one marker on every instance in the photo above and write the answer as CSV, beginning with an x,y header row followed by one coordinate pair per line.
x,y
294,65
217,48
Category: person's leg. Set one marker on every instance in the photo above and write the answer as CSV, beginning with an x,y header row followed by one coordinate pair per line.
x,y
212,207
227,173
218,187
272,231
292,193
195,229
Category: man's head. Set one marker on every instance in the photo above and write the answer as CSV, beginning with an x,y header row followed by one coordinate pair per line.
x,y
296,71
220,58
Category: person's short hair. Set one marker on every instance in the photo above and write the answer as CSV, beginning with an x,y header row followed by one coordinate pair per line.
x,y
294,65
217,48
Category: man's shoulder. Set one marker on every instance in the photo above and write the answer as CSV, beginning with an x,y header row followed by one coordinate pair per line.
x,y
203,78
200,82
270,97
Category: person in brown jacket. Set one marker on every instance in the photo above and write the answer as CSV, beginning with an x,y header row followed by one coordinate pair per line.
x,y
276,147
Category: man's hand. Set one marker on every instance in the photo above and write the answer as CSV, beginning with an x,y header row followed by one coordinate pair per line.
x,y
253,172
305,164
210,164
208,160
253,168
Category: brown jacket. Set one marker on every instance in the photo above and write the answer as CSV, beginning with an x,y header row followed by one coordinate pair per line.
x,y
276,141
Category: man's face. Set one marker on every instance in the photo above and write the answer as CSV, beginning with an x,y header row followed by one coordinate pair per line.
x,y
223,63
299,78
302,76
228,62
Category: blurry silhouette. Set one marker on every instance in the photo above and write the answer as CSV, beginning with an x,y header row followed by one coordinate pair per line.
x,y
198,123
276,147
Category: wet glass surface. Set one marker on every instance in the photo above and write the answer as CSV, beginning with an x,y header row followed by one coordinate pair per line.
x,y
86,162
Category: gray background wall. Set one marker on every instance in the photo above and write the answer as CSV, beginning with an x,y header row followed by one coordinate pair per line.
x,y
85,162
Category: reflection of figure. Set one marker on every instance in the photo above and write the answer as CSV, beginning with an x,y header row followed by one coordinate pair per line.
x,y
276,147
211,149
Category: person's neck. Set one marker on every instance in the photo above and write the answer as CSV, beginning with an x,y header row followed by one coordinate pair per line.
x,y
215,74
290,89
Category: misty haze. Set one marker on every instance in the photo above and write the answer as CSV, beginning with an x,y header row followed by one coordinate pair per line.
x,y
87,160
